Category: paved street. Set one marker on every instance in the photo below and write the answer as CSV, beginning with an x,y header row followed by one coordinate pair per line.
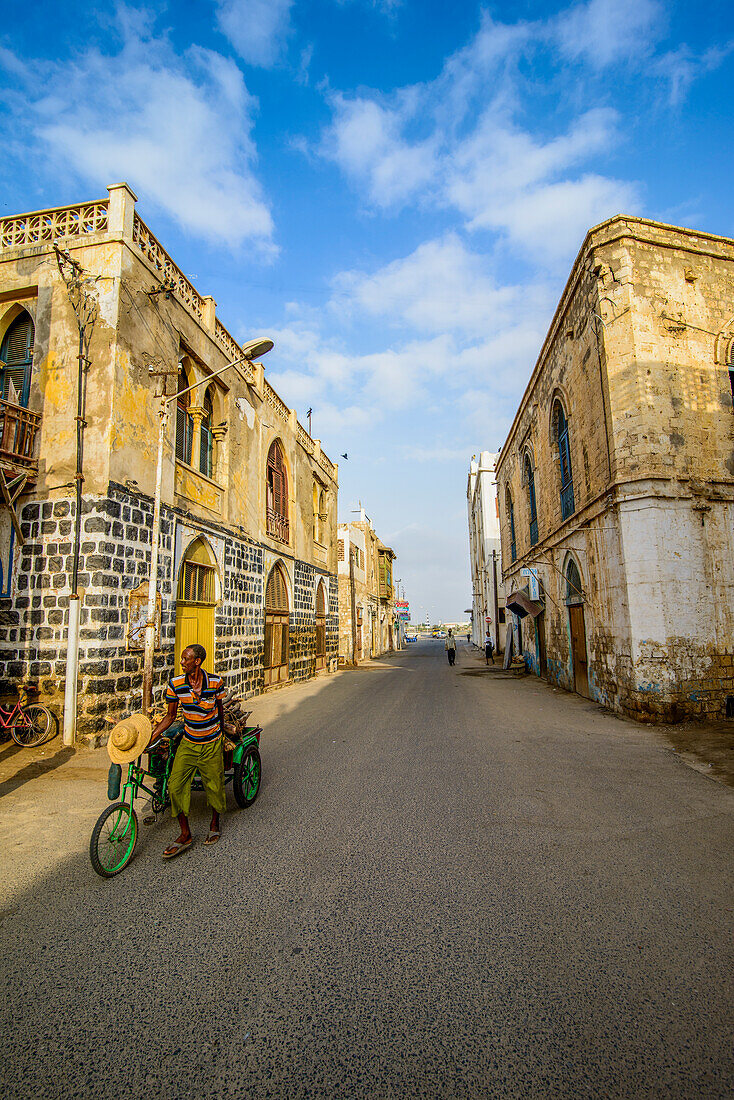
x,y
454,883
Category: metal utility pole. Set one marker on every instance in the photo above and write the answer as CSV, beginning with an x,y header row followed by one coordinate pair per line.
x,y
251,350
85,310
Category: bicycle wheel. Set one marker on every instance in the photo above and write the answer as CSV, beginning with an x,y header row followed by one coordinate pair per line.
x,y
113,839
246,778
33,725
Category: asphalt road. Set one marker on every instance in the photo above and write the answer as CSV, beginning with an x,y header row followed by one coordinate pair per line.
x,y
453,884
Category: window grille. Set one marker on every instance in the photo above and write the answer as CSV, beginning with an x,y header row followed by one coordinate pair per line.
x,y
277,494
184,423
17,354
568,506
196,584
530,482
206,453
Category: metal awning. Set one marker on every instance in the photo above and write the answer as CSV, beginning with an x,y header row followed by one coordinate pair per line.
x,y
522,605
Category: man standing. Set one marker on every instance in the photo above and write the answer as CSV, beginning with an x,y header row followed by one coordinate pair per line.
x,y
199,694
450,645
489,647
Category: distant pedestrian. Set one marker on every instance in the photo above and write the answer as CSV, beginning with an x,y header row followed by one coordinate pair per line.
x,y
468,638
450,646
489,648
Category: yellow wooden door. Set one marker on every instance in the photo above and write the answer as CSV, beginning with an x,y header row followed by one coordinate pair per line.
x,y
194,623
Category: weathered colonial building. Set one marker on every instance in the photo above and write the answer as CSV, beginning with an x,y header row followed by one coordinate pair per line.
x,y
368,622
485,556
249,501
616,481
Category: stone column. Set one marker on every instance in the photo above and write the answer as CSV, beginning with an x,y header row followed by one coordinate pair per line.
x,y
197,414
219,471
209,313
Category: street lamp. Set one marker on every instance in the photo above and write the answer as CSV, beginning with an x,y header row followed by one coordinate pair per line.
x,y
253,349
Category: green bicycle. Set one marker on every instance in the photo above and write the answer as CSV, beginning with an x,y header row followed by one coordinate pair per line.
x,y
116,832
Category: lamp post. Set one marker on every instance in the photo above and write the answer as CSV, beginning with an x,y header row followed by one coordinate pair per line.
x,y
251,350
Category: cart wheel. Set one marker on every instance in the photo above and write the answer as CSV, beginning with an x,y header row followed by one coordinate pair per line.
x,y
113,839
34,725
246,778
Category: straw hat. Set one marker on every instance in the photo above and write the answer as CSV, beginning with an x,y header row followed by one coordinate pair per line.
x,y
128,739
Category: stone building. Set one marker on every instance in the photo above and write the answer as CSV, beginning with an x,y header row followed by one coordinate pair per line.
x,y
368,624
249,500
485,556
616,481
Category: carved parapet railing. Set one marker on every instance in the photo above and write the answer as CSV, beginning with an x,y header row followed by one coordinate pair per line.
x,y
328,465
232,349
304,439
275,402
156,254
18,427
45,226
277,526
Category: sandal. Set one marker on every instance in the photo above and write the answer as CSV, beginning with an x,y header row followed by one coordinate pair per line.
x,y
213,837
175,849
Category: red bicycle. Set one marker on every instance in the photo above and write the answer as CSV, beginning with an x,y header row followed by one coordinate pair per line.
x,y
30,724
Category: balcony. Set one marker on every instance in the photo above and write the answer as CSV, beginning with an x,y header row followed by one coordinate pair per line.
x,y
277,526
18,427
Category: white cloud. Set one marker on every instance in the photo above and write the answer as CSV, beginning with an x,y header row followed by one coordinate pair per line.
x,y
604,32
179,129
258,29
681,67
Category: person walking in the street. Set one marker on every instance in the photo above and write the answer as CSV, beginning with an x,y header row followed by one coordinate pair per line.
x,y
450,646
489,648
199,694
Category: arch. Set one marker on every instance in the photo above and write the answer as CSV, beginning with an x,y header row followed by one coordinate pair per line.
x,y
196,599
561,438
275,656
206,448
16,352
277,525
529,481
184,420
574,585
320,648
510,509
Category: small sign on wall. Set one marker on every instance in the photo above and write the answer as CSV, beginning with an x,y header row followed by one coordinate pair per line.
x,y
137,617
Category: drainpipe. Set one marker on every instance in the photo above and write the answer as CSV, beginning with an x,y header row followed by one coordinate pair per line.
x,y
72,637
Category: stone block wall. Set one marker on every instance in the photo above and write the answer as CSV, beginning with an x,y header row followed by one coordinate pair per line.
x,y
115,558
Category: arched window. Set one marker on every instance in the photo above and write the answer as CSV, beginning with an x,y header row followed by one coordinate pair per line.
x,y
320,626
196,599
511,521
277,494
323,516
184,423
275,657
316,517
17,354
568,506
530,484
574,591
206,453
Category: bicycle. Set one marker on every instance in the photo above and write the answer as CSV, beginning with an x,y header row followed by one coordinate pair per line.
x,y
116,832
30,724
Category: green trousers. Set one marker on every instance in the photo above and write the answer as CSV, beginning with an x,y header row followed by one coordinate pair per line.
x,y
208,761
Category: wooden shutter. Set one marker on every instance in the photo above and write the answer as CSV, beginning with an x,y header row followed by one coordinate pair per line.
x,y
17,353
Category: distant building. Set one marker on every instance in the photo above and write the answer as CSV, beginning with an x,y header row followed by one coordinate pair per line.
x,y
247,559
485,558
616,481
368,623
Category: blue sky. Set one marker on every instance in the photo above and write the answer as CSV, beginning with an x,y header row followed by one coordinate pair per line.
x,y
394,190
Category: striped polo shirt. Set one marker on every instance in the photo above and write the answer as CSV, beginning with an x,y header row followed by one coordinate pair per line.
x,y
201,719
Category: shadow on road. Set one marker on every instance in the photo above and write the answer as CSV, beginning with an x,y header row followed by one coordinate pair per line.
x,y
30,765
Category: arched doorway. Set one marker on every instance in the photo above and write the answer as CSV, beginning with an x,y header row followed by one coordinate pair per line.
x,y
196,601
577,625
320,627
275,659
